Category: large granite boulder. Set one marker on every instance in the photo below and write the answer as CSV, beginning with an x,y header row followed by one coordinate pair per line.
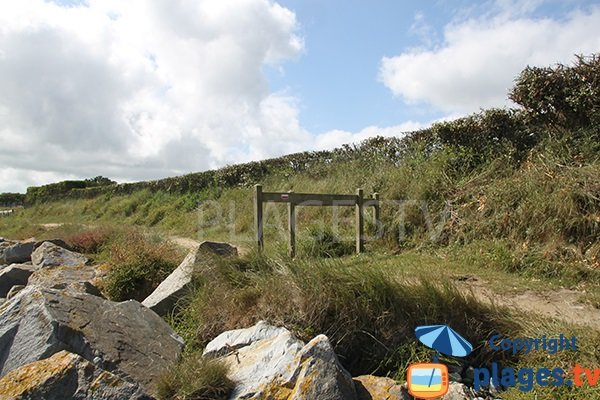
x,y
125,338
14,274
269,362
49,254
66,376
164,298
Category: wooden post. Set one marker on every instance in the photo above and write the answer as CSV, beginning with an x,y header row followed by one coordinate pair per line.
x,y
376,211
360,244
292,225
258,216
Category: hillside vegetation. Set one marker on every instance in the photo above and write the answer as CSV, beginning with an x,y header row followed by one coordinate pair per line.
x,y
510,196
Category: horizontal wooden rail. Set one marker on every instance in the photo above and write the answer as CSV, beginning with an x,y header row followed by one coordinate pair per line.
x,y
313,199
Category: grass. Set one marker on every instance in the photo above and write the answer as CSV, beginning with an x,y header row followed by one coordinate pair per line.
x,y
369,314
196,378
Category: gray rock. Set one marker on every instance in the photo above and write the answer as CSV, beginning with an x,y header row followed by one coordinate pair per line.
x,y
132,341
320,375
217,248
269,362
163,299
13,291
61,277
49,254
14,274
457,391
66,376
18,253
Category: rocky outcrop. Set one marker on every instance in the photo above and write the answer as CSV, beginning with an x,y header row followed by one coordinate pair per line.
x,y
15,274
66,376
126,338
269,362
49,254
164,298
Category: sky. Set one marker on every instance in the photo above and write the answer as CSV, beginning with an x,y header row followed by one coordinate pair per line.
x,y
144,89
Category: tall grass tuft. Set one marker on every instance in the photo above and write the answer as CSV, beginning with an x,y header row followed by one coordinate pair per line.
x,y
196,378
369,314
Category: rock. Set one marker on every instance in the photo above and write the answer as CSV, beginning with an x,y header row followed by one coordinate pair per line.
x,y
14,274
164,298
217,248
269,362
320,375
49,254
129,340
238,338
18,253
457,391
13,291
66,376
78,278
369,387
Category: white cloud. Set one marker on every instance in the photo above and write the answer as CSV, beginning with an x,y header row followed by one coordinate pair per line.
x,y
479,58
141,89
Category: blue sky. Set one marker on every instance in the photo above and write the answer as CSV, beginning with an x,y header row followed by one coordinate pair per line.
x,y
337,77
143,89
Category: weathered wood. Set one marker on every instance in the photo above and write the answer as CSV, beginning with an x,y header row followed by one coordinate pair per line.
x,y
292,228
360,246
376,211
310,199
258,216
313,199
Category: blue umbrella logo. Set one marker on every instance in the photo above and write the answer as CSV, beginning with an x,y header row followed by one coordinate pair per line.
x,y
443,339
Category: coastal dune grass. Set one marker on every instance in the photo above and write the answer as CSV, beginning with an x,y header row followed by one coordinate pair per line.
x,y
369,314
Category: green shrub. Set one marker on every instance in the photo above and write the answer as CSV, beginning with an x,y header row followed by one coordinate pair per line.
x,y
196,378
137,265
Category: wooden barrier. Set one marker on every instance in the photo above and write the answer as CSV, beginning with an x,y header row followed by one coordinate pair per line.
x,y
313,199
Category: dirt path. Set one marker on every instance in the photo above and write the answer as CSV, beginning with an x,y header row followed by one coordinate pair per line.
x,y
562,304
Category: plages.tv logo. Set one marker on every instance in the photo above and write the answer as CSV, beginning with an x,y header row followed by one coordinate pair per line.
x,y
430,380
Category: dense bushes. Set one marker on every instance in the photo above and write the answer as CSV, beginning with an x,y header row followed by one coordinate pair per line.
x,y
11,199
61,189
561,96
